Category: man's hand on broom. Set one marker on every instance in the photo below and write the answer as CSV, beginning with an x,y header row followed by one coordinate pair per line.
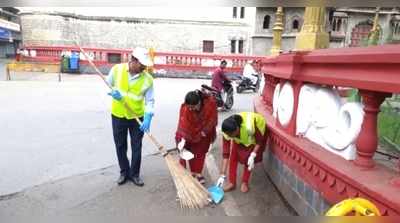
x,y
145,126
116,95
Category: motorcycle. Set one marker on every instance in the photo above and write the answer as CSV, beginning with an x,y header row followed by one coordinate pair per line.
x,y
246,84
225,98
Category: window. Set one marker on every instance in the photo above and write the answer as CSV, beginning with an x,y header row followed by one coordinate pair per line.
x,y
240,46
233,46
114,57
267,18
295,25
339,25
334,25
234,12
208,46
241,12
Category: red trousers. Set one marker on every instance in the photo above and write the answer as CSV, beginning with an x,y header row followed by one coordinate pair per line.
x,y
199,151
233,164
196,164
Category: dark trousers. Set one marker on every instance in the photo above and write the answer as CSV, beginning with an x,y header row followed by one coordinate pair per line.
x,y
120,131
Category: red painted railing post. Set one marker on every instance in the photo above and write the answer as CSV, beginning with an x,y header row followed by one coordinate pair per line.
x,y
268,91
367,140
291,128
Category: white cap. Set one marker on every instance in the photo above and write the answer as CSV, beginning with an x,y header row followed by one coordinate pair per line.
x,y
142,55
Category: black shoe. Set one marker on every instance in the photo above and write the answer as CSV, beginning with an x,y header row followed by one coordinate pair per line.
x,y
137,181
122,179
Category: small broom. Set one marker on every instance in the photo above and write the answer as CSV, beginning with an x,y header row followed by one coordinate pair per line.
x,y
190,192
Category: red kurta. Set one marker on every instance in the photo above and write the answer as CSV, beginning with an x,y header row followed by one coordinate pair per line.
x,y
191,124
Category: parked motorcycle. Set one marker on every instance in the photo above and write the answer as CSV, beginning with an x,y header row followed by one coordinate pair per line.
x,y
225,98
246,84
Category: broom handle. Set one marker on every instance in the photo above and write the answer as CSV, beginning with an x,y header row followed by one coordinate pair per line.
x,y
152,138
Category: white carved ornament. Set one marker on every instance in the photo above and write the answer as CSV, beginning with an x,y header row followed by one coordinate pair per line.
x,y
323,118
282,103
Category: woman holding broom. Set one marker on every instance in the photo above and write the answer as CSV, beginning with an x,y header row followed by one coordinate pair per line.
x,y
198,118
243,142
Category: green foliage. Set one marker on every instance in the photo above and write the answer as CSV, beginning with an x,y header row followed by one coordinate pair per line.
x,y
364,41
389,124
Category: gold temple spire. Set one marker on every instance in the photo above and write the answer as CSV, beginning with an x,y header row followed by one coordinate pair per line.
x,y
313,34
277,30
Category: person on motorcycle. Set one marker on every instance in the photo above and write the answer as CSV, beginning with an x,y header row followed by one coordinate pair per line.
x,y
196,131
218,79
243,141
249,71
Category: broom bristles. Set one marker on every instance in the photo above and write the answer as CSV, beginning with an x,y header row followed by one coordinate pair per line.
x,y
190,192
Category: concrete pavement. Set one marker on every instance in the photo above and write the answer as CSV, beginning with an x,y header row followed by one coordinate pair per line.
x,y
58,156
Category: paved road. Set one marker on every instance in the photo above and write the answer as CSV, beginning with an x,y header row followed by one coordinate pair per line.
x,y
57,149
52,130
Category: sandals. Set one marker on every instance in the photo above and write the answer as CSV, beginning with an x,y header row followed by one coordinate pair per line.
x,y
201,179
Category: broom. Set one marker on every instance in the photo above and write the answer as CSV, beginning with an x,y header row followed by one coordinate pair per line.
x,y
190,192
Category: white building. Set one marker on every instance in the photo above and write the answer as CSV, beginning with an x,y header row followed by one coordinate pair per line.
x,y
237,30
212,29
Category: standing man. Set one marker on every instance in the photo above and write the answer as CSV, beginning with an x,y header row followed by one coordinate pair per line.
x,y
243,142
132,89
196,129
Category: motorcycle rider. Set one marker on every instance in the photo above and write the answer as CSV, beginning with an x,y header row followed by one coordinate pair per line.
x,y
219,77
249,71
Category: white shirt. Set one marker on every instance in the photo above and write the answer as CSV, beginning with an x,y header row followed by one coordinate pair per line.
x,y
248,70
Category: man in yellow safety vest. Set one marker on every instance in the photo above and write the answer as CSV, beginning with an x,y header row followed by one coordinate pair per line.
x,y
133,97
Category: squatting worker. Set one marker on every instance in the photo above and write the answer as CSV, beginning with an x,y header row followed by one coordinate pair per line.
x,y
132,88
243,142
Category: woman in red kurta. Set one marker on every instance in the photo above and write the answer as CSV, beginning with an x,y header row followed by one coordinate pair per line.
x,y
198,119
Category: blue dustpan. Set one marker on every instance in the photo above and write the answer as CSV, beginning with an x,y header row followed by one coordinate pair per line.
x,y
217,193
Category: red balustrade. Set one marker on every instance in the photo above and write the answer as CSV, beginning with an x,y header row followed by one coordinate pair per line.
x,y
375,71
201,62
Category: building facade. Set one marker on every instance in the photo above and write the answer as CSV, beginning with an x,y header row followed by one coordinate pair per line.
x,y
10,32
347,27
223,36
225,30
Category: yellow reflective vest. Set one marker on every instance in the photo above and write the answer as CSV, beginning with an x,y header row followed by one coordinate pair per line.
x,y
133,93
250,122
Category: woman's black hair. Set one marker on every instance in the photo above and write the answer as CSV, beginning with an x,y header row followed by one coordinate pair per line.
x,y
224,62
231,124
193,97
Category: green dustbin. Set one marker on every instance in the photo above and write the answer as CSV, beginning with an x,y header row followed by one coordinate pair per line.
x,y
65,64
